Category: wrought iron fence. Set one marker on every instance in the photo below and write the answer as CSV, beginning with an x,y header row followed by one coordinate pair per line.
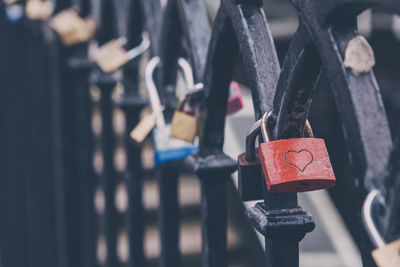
x,y
50,184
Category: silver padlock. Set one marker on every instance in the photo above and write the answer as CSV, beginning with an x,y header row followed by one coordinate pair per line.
x,y
166,148
385,254
368,220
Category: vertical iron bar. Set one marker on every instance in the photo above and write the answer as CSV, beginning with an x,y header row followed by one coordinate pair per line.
x,y
214,220
169,215
281,254
41,204
80,68
168,179
57,152
15,116
108,176
134,183
213,171
107,31
132,103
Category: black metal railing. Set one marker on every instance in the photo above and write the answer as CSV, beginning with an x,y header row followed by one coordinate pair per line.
x,y
48,148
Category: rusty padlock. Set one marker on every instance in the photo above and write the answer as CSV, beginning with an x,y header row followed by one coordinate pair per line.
x,y
296,164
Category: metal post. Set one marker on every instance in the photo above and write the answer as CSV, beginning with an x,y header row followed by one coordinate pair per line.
x,y
80,68
284,225
213,171
13,226
214,221
57,154
134,182
168,178
108,176
108,180
131,103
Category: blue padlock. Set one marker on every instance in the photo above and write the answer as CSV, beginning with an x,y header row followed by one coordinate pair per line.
x,y
14,12
166,148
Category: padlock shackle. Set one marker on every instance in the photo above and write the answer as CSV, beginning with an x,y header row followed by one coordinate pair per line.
x,y
121,41
187,73
368,221
267,136
252,134
152,91
308,129
141,48
262,126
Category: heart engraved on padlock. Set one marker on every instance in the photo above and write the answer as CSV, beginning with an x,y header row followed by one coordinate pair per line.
x,y
296,164
301,162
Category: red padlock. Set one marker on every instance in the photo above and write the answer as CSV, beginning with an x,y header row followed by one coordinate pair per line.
x,y
295,165
235,100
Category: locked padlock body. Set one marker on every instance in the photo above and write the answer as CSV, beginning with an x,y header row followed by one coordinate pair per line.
x,y
388,256
184,127
111,56
170,149
250,183
296,165
235,100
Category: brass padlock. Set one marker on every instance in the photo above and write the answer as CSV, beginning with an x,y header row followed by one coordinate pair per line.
x,y
166,148
71,28
185,120
184,125
388,256
143,128
385,254
38,9
112,55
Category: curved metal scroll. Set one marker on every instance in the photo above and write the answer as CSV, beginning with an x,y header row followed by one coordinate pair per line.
x,y
326,28
185,32
357,96
237,27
